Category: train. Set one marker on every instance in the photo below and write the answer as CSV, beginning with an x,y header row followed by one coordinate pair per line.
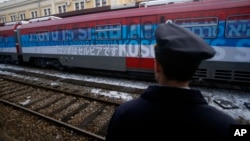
x,y
123,40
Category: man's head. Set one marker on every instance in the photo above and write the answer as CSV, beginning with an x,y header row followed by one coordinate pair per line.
x,y
179,52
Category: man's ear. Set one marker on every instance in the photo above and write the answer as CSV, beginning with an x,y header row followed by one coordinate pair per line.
x,y
157,70
157,67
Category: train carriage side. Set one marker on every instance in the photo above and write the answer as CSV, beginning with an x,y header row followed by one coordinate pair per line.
x,y
124,40
224,25
108,41
8,43
86,42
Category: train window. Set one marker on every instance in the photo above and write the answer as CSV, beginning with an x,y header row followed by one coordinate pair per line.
x,y
148,30
32,37
2,44
238,26
3,41
61,35
67,34
112,31
133,31
81,33
2,38
58,35
39,36
43,36
162,19
204,27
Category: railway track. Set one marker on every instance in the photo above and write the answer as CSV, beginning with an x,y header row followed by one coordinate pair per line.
x,y
74,109
79,105
79,82
149,77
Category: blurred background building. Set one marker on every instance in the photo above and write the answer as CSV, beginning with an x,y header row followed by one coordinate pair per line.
x,y
17,10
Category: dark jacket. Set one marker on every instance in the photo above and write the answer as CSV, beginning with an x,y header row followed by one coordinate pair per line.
x,y
162,113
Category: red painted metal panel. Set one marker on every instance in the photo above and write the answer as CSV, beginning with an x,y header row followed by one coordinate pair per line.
x,y
7,30
147,63
220,13
132,63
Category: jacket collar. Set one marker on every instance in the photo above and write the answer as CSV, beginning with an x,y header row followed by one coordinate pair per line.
x,y
173,95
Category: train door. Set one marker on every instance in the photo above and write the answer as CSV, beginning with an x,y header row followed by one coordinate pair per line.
x,y
148,26
18,45
139,42
132,42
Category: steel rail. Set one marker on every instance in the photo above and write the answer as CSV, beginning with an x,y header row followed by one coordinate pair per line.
x,y
56,121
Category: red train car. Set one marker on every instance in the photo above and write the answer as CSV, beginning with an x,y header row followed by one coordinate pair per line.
x,y
9,41
123,40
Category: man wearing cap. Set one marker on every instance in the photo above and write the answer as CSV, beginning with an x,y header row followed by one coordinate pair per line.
x,y
172,110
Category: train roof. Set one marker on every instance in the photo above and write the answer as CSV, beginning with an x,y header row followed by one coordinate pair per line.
x,y
44,19
4,28
11,25
168,8
161,2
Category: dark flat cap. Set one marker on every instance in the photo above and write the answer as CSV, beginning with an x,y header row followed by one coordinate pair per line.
x,y
176,45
